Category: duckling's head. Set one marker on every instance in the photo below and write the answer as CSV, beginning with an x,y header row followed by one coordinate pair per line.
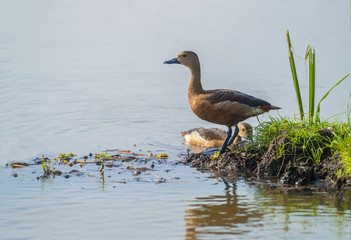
x,y
245,130
186,58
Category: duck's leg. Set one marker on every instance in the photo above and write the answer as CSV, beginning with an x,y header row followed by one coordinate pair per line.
x,y
225,143
236,131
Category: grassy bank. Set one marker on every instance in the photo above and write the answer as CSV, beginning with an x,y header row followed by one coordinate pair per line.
x,y
306,141
307,138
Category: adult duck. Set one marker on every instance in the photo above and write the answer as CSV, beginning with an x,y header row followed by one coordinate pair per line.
x,y
214,137
220,106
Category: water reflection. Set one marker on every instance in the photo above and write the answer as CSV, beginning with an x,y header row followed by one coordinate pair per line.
x,y
220,214
275,211
304,203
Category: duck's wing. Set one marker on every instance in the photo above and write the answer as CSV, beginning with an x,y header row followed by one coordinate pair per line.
x,y
192,130
223,95
213,134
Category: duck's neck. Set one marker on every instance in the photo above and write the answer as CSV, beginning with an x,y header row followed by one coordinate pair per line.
x,y
195,86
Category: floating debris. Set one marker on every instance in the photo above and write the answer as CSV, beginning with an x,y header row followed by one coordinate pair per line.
x,y
142,166
139,154
124,182
139,168
122,158
124,151
19,165
162,156
136,173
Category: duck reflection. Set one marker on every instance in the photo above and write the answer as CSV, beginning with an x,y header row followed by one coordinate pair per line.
x,y
220,215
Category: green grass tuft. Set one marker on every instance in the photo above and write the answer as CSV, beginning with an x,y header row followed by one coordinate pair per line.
x,y
293,138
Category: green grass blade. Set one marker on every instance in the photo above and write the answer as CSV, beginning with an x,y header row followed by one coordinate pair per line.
x,y
294,75
326,95
310,54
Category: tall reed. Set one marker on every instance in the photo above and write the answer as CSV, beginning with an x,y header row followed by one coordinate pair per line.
x,y
294,75
311,56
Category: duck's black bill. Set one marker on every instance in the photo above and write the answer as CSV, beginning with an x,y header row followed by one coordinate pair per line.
x,y
174,60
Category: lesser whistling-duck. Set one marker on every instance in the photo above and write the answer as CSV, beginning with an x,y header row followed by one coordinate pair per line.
x,y
220,106
214,137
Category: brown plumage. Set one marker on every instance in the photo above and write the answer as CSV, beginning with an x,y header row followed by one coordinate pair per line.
x,y
213,137
220,106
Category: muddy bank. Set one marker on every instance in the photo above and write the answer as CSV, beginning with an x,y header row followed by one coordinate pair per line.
x,y
282,171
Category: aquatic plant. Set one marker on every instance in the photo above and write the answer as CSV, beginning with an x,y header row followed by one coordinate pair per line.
x,y
47,166
102,156
64,157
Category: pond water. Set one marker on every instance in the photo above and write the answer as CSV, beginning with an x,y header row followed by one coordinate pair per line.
x,y
86,76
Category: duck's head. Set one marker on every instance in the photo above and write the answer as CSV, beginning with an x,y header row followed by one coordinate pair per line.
x,y
186,58
245,130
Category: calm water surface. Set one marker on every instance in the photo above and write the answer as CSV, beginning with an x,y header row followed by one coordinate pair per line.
x,y
86,76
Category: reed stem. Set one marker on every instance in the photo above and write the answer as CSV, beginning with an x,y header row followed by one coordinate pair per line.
x,y
310,54
294,75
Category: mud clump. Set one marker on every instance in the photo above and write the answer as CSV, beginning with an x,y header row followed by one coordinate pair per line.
x,y
298,174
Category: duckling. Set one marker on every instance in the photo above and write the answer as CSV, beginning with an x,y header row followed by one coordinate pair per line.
x,y
214,137
220,106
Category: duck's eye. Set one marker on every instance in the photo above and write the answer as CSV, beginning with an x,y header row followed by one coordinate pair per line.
x,y
184,55
243,130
